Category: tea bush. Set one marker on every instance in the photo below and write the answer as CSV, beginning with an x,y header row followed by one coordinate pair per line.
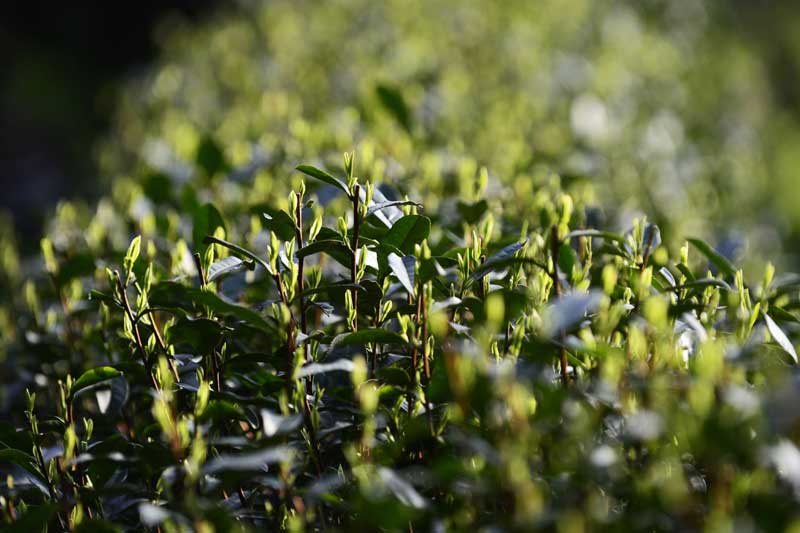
x,y
249,333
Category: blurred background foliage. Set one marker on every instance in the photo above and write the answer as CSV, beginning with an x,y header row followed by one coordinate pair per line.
x,y
684,110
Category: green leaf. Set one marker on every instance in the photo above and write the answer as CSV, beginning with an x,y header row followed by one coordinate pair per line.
x,y
206,221
133,253
171,294
403,269
782,314
472,212
105,298
503,258
24,461
333,287
394,375
374,208
335,249
569,310
249,462
92,377
96,525
112,398
402,489
35,518
275,424
364,336
237,249
701,284
780,337
227,265
567,259
607,235
75,266
392,99
323,176
715,257
279,222
313,369
408,231
201,333
221,410
688,274
210,157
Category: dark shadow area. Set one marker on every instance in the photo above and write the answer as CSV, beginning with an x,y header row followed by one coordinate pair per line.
x,y
60,65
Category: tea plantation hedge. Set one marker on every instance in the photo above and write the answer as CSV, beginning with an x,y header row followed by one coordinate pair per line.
x,y
467,321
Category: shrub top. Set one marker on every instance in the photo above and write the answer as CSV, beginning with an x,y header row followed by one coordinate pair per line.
x,y
446,329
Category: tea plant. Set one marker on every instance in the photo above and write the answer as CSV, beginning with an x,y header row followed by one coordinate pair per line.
x,y
349,359
467,323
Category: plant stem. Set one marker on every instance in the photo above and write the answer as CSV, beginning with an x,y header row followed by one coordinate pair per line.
x,y
201,273
301,285
136,333
425,355
555,245
354,264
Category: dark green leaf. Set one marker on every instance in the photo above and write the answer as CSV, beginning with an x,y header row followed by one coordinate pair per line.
x,y
394,375
210,157
403,269
472,212
238,249
221,410
335,249
95,525
567,259
75,266
279,222
501,259
323,176
171,294
392,99
408,231
203,334
94,376
364,336
333,287
714,257
35,519
24,461
782,315
225,266
206,220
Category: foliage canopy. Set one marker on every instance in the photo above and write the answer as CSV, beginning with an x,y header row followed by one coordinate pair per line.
x,y
444,329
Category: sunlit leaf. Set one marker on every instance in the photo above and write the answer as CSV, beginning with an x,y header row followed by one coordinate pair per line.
x,y
780,337
323,176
